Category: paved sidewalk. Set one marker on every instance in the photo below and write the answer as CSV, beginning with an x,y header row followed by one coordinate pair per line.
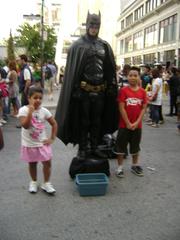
x,y
134,208
51,104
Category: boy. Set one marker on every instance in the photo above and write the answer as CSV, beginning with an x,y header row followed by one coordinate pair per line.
x,y
132,105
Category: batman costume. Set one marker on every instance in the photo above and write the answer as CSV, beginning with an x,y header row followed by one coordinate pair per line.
x,y
87,107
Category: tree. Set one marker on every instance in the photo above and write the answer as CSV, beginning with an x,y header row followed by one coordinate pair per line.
x,y
30,38
10,48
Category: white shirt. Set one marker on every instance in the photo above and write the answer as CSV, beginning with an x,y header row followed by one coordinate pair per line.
x,y
35,134
27,75
155,82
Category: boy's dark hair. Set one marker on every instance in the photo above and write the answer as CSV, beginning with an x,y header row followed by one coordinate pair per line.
x,y
23,57
155,73
134,68
33,90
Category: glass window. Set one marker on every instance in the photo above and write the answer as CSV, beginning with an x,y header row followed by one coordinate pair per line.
x,y
137,60
169,56
122,24
128,44
149,58
148,6
127,60
150,36
139,13
163,1
122,46
129,20
138,40
151,4
168,29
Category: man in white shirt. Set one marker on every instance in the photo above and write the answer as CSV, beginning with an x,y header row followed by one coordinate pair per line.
x,y
25,79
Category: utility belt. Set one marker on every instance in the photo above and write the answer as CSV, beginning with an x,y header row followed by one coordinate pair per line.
x,y
92,88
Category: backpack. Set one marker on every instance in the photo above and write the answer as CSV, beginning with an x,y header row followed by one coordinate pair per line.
x,y
48,73
22,81
3,73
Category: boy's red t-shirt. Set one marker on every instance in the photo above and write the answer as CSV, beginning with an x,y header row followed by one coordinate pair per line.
x,y
134,101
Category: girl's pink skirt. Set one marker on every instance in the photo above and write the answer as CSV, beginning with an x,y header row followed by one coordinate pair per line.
x,y
36,154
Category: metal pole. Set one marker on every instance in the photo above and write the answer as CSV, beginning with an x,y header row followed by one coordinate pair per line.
x,y
42,42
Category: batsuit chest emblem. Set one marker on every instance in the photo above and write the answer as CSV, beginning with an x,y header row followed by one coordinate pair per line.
x,y
101,52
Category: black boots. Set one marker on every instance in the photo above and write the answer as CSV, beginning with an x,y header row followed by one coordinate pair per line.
x,y
98,154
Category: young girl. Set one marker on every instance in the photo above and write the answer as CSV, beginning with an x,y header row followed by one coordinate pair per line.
x,y
36,147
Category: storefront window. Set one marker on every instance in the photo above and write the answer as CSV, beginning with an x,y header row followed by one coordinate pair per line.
x,y
137,60
149,58
169,56
127,60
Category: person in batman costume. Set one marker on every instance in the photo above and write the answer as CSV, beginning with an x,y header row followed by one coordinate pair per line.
x,y
87,107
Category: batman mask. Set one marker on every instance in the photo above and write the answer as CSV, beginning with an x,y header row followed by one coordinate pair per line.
x,y
93,21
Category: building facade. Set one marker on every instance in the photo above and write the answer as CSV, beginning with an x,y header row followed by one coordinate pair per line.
x,y
148,32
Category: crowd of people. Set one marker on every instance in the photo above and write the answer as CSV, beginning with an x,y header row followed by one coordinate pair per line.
x,y
156,81
90,104
15,79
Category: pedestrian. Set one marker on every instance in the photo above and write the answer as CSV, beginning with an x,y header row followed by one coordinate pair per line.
x,y
50,78
36,146
178,99
61,74
156,98
87,107
3,96
123,78
132,101
173,81
146,78
12,79
25,79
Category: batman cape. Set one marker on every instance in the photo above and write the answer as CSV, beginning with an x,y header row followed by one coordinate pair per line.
x,y
68,107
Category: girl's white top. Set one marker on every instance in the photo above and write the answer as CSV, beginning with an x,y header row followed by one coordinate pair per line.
x,y
36,133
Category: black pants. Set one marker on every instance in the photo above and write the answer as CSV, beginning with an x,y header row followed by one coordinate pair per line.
x,y
24,99
173,104
92,105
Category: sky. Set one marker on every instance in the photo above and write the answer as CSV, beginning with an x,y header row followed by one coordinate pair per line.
x,y
12,15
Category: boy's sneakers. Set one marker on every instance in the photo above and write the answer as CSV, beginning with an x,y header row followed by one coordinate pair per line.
x,y
155,125
2,121
150,123
137,170
48,187
33,187
120,173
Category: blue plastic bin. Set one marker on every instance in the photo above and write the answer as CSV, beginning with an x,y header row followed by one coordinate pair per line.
x,y
92,184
